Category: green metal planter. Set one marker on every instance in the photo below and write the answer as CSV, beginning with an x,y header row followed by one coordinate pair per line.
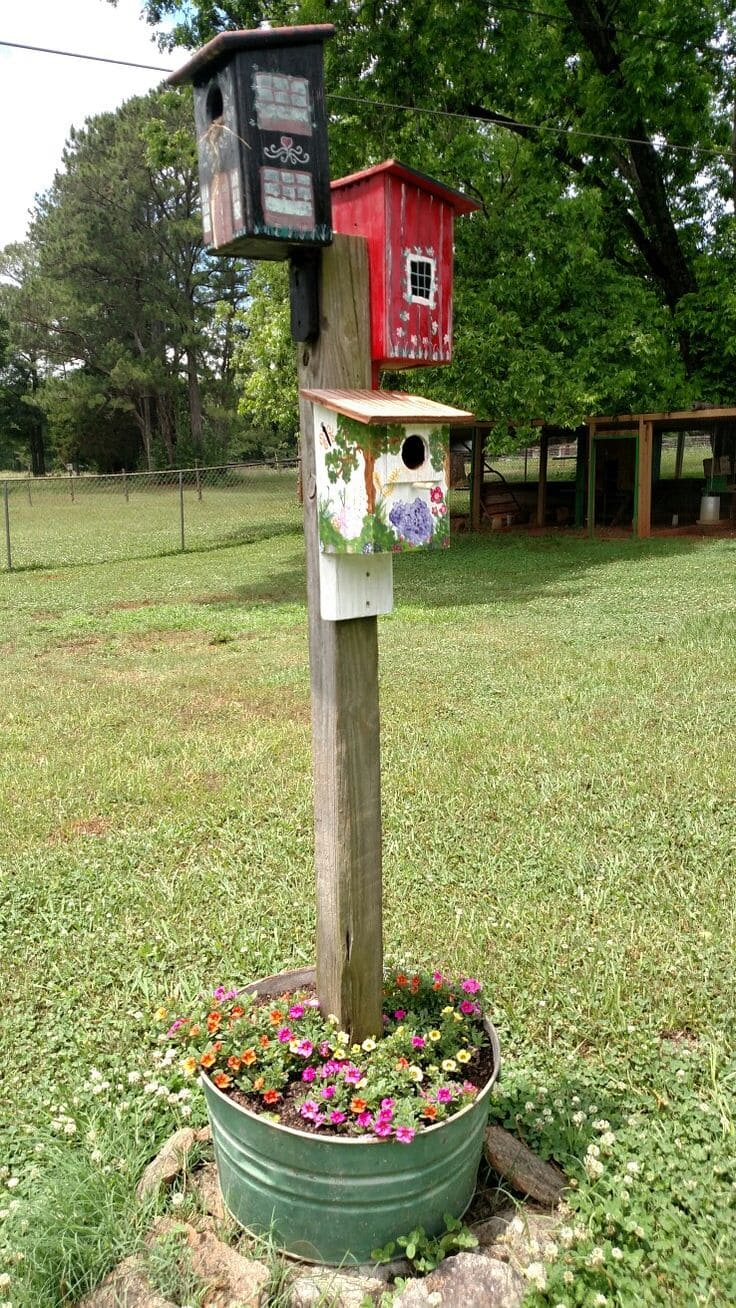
x,y
330,1199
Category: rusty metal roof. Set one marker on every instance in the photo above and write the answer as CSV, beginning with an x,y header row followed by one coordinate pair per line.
x,y
387,406
203,64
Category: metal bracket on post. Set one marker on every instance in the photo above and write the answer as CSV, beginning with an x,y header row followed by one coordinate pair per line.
x,y
304,269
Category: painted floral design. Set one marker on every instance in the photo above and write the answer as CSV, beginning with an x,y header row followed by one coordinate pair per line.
x,y
412,521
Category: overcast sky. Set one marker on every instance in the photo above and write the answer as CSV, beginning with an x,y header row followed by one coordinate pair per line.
x,y
43,95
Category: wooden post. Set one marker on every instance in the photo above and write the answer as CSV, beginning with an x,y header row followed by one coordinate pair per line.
x,y
198,478
679,454
643,519
581,476
6,515
476,491
542,487
591,478
343,660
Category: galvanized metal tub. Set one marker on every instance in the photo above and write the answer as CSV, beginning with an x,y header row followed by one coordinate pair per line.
x,y
710,509
331,1199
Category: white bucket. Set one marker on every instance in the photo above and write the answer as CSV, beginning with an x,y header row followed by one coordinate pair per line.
x,y
710,509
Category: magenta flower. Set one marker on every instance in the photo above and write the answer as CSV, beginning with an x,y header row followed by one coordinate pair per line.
x,y
330,1068
381,1127
310,1112
444,1095
436,497
297,1010
387,1103
438,978
353,1075
324,1049
405,1134
418,1042
175,1026
304,1048
467,1007
308,1074
400,1014
364,1119
471,986
328,1092
469,1088
221,993
336,1117
285,1034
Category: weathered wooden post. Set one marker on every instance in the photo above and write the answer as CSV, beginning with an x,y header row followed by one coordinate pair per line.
x,y
259,108
6,516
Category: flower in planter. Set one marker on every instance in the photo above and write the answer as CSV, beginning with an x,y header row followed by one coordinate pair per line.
x,y
288,1059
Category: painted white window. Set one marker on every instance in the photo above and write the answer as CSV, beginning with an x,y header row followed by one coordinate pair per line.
x,y
421,278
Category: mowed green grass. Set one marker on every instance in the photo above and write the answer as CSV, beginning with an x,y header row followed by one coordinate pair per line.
x,y
559,759
49,528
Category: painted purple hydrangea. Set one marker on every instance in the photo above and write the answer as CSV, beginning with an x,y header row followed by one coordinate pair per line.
x,y
412,521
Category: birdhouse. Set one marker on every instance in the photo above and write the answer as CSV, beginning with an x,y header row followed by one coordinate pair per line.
x,y
381,482
407,220
262,140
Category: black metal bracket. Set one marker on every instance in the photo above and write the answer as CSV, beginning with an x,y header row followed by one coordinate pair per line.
x,y
304,270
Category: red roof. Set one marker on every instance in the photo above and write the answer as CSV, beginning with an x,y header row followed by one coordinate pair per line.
x,y
460,203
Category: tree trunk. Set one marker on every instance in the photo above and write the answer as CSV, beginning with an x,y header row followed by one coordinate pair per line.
x,y
195,399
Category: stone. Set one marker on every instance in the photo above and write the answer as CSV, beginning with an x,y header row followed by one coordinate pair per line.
x,y
525,1172
328,1288
125,1287
229,1279
524,1239
466,1281
205,1183
169,1163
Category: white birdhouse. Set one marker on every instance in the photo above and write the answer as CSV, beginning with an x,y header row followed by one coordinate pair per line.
x,y
382,478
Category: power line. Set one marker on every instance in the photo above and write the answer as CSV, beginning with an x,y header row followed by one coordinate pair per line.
x,y
97,59
712,151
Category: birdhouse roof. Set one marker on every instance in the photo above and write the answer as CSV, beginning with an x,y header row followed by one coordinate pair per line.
x,y
393,168
204,63
387,406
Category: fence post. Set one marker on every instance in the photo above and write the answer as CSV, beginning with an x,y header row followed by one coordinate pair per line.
x,y
71,483
30,475
199,480
125,486
181,508
6,509
526,460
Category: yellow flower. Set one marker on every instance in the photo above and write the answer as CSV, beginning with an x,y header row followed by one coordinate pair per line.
x,y
458,1017
161,1014
449,1065
434,1035
399,1030
447,1010
369,1044
463,1056
333,1021
189,1066
355,1050
339,1053
343,1038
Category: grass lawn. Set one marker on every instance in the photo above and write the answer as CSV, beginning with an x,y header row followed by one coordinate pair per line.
x,y
559,759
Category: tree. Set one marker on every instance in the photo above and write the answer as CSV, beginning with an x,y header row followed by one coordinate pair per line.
x,y
598,273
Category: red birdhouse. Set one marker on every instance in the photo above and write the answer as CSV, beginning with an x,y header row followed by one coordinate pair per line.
x,y
407,220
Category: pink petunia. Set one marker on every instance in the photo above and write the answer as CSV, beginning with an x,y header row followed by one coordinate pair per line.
x,y
304,1048
405,1134
308,1074
418,1042
353,1075
469,1088
400,1014
328,1092
336,1117
444,1095
382,1128
467,1006
364,1119
285,1034
175,1026
296,1011
471,986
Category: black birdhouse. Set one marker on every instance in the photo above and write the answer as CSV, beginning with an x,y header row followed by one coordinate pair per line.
x,y
262,139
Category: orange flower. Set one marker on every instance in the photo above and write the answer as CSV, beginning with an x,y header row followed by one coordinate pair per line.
x,y
416,981
264,1041
233,1063
259,1083
436,985
237,1011
190,1066
213,1021
217,1046
271,1096
208,1059
249,1057
401,979
430,1111
358,1105
195,1030
275,1017
221,1080
401,1064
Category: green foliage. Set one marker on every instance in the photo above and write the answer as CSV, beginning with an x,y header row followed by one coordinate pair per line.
x,y
265,361
425,1252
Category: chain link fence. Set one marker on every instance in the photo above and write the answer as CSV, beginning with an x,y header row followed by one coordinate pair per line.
x,y
73,519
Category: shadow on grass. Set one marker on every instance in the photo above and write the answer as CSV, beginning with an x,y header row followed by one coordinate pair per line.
x,y
484,569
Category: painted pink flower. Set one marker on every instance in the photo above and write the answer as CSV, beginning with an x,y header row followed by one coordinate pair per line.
x,y
285,1034
436,497
405,1134
471,986
296,1011
308,1074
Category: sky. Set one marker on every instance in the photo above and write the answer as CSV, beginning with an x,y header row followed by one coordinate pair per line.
x,y
43,95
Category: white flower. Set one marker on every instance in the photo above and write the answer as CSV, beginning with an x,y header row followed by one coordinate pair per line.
x,y
600,1301
596,1257
12,1182
150,1087
568,1278
96,1156
593,1151
617,1253
4,1280
608,1139
177,1200
537,1274
550,1251
632,1167
601,1125
133,1078
566,1236
593,1168
578,1118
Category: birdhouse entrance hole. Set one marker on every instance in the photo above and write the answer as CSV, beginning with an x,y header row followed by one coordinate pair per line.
x,y
413,452
215,104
